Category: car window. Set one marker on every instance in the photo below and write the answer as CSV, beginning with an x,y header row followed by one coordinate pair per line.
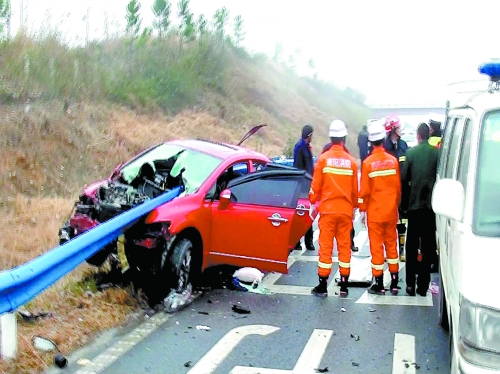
x,y
271,191
486,221
455,140
234,171
445,145
463,162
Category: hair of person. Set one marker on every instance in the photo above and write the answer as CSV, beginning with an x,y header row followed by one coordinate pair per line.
x,y
436,128
337,140
364,128
423,131
378,142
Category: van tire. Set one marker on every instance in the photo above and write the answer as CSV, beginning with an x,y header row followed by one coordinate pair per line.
x,y
443,306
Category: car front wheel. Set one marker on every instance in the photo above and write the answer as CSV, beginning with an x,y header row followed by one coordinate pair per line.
x,y
181,265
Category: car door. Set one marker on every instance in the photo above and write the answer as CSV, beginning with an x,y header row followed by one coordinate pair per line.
x,y
261,221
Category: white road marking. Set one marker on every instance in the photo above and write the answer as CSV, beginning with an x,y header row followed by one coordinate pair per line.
x,y
211,361
403,361
313,352
361,239
309,359
111,354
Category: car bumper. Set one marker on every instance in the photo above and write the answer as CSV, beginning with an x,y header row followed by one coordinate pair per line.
x,y
464,367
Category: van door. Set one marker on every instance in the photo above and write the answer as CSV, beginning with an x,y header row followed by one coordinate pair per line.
x,y
453,150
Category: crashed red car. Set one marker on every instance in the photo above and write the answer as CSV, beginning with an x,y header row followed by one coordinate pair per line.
x,y
237,208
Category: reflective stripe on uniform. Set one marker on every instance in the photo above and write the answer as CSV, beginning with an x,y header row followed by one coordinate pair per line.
x,y
393,261
360,200
382,173
344,264
324,266
402,158
378,267
330,170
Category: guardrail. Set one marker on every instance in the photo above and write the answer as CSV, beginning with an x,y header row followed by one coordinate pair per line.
x,y
21,284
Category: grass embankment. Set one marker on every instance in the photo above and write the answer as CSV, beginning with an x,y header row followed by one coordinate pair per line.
x,y
68,116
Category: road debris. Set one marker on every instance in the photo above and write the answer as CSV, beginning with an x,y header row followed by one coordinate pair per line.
x,y
188,364
83,362
30,317
176,301
249,275
204,313
355,337
240,310
354,363
323,370
371,310
343,310
204,328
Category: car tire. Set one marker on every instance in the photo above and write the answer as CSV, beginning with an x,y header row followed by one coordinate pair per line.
x,y
181,263
443,306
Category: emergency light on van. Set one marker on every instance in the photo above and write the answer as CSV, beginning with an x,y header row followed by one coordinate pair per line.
x,y
491,69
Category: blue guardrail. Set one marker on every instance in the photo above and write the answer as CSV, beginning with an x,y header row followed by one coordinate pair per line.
x,y
21,284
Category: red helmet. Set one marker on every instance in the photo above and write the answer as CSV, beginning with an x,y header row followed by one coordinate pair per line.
x,y
392,123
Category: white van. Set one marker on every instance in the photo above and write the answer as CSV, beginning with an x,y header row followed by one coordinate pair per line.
x,y
466,200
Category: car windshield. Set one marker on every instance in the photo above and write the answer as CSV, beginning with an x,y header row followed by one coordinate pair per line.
x,y
487,204
196,166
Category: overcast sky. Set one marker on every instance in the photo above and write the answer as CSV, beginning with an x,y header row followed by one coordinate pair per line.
x,y
394,51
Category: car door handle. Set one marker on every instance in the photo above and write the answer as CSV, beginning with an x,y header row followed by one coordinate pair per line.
x,y
277,219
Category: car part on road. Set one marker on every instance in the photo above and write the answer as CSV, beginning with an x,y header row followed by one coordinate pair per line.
x,y
47,345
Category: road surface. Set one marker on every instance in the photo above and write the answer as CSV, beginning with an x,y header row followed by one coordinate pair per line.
x,y
287,331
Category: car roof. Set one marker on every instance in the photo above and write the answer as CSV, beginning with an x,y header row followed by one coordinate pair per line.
x,y
220,150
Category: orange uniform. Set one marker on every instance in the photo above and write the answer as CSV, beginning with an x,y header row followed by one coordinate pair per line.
x,y
335,186
379,197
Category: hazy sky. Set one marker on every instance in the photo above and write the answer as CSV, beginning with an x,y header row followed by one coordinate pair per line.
x,y
394,51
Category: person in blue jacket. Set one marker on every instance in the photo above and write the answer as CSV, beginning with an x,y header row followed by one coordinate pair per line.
x,y
363,143
303,159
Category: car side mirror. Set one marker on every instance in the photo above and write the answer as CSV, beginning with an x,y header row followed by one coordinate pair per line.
x,y
448,198
225,198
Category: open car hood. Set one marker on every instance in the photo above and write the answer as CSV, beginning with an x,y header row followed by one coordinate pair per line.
x,y
252,131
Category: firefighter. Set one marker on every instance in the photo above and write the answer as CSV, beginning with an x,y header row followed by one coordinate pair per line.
x,y
398,148
335,186
379,199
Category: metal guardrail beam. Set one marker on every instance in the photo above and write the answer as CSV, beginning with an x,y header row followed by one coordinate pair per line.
x,y
23,283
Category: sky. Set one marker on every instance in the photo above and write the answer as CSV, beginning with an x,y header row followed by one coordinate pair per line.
x,y
396,52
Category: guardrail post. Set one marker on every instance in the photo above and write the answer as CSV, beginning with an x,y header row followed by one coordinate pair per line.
x,y
8,335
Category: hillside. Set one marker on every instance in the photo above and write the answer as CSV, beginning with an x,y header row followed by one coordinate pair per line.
x,y
69,115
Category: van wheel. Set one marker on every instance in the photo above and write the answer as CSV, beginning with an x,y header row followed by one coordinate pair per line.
x,y
181,263
443,307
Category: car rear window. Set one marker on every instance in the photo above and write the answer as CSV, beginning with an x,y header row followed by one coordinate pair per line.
x,y
487,201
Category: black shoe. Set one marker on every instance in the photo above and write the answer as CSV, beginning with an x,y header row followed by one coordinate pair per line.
x,y
354,248
321,289
394,284
410,291
421,292
377,288
343,286
310,247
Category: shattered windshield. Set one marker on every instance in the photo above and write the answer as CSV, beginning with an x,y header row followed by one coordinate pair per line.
x,y
487,206
195,166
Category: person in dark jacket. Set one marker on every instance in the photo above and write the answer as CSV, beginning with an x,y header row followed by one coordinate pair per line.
x,y
303,159
419,177
363,143
397,147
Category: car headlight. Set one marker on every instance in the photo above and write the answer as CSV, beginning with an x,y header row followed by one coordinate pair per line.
x,y
479,334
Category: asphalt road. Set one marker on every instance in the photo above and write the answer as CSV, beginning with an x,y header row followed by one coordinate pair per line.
x,y
287,331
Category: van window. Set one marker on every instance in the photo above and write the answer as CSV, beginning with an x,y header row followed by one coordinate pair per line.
x,y
463,162
455,139
445,145
486,220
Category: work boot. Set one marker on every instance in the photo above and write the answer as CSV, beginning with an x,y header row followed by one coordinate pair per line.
x,y
321,289
343,286
354,248
394,284
310,246
377,288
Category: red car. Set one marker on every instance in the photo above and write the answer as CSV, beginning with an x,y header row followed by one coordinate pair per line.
x,y
237,208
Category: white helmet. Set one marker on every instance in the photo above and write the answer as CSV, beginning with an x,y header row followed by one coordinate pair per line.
x,y
337,129
376,131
